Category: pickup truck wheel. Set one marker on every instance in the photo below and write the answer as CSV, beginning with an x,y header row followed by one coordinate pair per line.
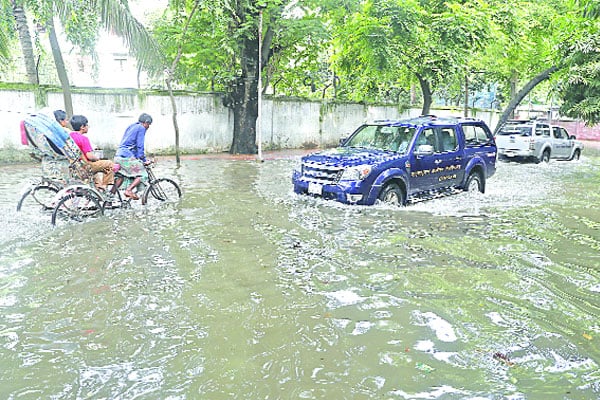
x,y
545,156
393,195
576,155
474,183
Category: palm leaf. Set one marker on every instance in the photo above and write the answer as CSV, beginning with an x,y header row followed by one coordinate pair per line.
x,y
116,17
6,28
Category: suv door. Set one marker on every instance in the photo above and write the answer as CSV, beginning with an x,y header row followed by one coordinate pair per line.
x,y
448,170
442,166
423,161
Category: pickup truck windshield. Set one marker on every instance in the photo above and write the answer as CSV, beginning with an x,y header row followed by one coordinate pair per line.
x,y
388,138
515,130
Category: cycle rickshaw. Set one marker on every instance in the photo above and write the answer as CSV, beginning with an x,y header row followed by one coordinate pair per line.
x,y
66,186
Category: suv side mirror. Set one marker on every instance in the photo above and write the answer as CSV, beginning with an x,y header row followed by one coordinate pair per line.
x,y
572,137
424,150
343,139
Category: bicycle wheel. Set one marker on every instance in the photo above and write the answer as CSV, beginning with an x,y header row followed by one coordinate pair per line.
x,y
161,190
38,195
114,201
77,205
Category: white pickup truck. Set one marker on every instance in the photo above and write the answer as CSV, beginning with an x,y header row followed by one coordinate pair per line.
x,y
536,140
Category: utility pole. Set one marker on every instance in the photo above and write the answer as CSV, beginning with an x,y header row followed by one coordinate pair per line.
x,y
466,111
259,88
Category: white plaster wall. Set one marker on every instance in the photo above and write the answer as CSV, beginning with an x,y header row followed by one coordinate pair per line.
x,y
204,123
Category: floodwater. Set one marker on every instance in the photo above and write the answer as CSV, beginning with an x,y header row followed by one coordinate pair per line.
x,y
244,290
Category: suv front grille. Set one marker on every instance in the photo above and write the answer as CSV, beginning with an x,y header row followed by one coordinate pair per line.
x,y
321,173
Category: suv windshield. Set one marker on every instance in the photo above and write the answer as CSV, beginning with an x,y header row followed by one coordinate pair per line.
x,y
389,138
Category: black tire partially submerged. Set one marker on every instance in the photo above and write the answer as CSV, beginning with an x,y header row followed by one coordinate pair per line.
x,y
392,194
474,183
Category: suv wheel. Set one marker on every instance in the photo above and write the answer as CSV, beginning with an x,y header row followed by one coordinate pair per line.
x,y
545,156
474,183
393,195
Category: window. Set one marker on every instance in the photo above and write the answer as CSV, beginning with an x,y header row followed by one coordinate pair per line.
x,y
364,137
558,134
447,139
476,136
393,138
542,129
402,139
427,136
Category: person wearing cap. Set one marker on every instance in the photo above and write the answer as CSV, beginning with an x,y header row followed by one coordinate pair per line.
x,y
131,156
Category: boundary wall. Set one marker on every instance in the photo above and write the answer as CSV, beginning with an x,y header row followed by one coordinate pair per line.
x,y
205,125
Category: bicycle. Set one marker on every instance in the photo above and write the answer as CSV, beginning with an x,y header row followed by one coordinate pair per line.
x,y
79,202
36,131
159,189
67,183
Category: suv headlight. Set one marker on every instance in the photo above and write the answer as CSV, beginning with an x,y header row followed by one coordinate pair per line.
x,y
357,173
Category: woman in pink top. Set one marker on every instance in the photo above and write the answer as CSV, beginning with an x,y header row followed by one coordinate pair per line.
x,y
80,128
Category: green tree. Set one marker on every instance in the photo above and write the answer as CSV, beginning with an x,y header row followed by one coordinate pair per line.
x,y
579,86
170,72
22,27
6,24
221,53
527,38
387,43
81,20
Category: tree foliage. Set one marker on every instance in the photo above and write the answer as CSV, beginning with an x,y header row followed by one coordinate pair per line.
x,y
367,50
6,30
222,53
386,44
212,57
579,86
82,20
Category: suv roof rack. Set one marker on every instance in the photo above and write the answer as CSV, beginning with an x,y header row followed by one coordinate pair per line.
x,y
425,119
385,121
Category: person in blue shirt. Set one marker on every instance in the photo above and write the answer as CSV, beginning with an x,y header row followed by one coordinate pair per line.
x,y
131,157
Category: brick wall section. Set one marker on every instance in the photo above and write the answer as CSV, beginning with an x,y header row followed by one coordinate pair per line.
x,y
580,130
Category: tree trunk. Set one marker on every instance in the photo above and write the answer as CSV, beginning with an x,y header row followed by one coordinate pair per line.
x,y
60,68
245,112
427,95
26,45
243,92
536,80
174,118
244,102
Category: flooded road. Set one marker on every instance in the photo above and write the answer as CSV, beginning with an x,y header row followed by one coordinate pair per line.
x,y
245,290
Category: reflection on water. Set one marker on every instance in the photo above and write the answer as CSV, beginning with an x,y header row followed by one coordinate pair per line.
x,y
245,290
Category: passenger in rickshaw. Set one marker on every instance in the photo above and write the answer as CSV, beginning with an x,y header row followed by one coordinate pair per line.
x,y
61,118
80,129
131,156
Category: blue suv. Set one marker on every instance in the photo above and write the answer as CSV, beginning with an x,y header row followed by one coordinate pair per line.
x,y
396,161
